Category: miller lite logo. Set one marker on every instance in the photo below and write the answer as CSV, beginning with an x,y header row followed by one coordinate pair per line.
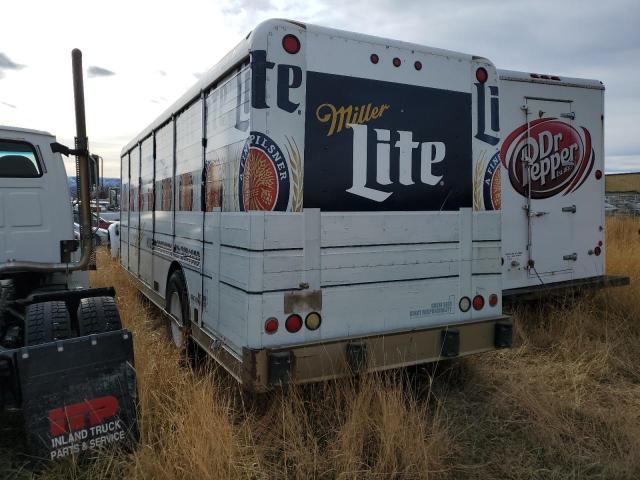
x,y
264,175
430,154
547,158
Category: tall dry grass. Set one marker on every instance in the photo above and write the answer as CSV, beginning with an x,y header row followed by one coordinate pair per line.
x,y
563,403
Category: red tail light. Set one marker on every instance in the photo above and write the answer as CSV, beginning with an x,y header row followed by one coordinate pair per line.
x,y
598,174
482,75
493,300
271,325
291,44
293,323
478,302
374,58
597,251
418,65
396,62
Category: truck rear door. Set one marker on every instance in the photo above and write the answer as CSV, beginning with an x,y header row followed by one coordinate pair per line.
x,y
553,152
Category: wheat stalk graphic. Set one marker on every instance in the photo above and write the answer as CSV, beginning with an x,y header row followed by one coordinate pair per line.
x,y
478,174
295,163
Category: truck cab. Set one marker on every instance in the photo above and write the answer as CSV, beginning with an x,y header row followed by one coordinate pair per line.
x,y
36,220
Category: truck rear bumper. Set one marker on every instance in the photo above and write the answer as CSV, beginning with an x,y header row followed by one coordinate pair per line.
x,y
559,289
265,368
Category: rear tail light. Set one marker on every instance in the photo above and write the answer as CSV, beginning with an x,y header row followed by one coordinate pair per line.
x,y
493,300
598,174
478,302
293,323
597,251
271,325
313,321
374,58
464,304
418,65
482,75
396,62
291,44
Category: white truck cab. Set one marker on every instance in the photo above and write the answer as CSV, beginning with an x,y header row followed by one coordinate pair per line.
x,y
35,203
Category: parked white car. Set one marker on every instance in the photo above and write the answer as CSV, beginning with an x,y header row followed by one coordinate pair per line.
x,y
100,235
114,237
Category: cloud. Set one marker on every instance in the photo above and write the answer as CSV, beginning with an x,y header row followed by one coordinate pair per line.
x,y
162,73
94,71
8,104
235,7
7,64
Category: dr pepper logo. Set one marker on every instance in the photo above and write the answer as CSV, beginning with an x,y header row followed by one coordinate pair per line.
x,y
560,157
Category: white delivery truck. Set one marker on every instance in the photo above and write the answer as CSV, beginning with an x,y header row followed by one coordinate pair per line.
x,y
549,170
306,209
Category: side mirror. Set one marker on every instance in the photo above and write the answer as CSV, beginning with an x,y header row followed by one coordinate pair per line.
x,y
94,170
59,148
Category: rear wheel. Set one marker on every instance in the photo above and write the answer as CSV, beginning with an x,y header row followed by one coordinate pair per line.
x,y
45,322
98,315
178,307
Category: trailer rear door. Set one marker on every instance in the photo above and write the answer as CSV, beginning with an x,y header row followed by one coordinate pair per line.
x,y
553,154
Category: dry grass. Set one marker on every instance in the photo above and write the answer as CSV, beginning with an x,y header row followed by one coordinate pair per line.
x,y
564,403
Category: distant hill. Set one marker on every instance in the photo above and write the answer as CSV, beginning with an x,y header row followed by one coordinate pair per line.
x,y
108,183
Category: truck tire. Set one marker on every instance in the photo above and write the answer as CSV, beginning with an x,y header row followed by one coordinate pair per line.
x,y
178,307
98,315
45,322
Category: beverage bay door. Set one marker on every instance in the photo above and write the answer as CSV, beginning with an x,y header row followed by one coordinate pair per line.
x,y
549,162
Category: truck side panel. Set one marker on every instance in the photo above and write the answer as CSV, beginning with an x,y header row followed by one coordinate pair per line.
x,y
125,202
146,211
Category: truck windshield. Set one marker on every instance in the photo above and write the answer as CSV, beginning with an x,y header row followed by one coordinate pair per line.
x,y
18,160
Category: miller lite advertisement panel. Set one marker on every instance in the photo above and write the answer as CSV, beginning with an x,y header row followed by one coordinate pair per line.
x,y
552,156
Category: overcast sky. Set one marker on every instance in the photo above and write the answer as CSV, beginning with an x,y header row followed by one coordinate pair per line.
x,y
139,56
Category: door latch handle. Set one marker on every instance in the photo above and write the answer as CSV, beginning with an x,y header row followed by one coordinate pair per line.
x,y
572,256
569,115
570,209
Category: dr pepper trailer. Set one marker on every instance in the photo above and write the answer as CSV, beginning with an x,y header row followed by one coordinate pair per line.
x,y
324,202
549,170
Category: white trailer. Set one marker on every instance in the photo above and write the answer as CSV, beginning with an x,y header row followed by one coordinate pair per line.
x,y
551,178
306,210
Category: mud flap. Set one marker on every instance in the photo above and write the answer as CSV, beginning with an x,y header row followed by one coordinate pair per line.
x,y
79,394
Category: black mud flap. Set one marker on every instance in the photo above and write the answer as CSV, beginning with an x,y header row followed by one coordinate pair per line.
x,y
79,394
